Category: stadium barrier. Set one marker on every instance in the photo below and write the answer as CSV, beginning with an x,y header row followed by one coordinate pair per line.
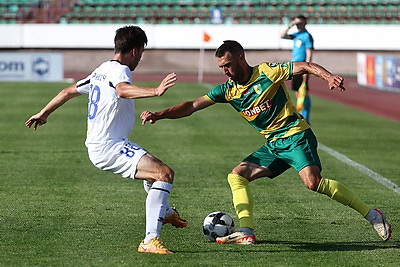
x,y
379,72
327,37
31,67
176,47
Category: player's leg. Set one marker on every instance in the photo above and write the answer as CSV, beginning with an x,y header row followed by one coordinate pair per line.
x,y
252,168
243,201
312,179
339,192
238,181
307,101
304,98
134,162
243,204
147,186
304,158
152,169
342,194
171,214
306,108
305,154
296,82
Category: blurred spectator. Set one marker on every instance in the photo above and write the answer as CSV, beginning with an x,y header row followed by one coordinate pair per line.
x,y
303,46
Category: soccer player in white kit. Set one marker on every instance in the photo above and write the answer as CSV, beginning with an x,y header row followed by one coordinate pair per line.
x,y
111,118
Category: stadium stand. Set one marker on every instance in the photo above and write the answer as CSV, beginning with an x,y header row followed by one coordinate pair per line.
x,y
200,11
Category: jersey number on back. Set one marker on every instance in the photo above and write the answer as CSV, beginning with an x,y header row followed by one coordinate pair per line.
x,y
94,98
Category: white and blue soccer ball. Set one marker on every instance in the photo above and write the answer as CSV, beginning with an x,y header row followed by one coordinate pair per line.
x,y
218,224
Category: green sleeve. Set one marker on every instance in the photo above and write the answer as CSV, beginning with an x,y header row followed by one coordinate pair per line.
x,y
217,94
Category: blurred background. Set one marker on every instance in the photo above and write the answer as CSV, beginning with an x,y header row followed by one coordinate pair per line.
x,y
199,11
183,34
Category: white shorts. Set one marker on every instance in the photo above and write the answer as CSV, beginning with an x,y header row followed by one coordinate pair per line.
x,y
120,158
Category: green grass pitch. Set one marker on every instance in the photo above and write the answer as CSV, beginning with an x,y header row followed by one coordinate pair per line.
x,y
56,209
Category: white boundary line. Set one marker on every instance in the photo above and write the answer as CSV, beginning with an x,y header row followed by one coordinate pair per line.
x,y
380,179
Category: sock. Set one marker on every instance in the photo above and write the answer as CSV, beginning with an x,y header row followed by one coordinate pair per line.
x,y
342,194
371,216
242,200
306,108
247,230
168,210
156,202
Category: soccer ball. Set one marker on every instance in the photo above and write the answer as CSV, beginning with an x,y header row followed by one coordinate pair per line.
x,y
217,224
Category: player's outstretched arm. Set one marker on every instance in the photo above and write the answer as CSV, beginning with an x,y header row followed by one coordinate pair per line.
x,y
334,81
62,97
181,110
132,91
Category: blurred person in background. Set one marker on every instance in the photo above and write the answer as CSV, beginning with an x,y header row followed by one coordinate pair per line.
x,y
302,51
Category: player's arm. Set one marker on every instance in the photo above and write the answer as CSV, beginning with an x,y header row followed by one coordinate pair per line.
x,y
334,81
127,90
284,34
62,97
181,110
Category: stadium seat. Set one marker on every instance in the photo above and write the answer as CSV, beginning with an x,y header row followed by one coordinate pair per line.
x,y
194,12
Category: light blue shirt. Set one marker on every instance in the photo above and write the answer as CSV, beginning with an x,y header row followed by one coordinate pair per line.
x,y
301,42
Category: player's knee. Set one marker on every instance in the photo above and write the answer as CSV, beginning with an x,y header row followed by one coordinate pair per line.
x,y
311,177
312,183
166,174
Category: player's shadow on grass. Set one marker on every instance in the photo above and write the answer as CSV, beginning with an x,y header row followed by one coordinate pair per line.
x,y
263,246
335,246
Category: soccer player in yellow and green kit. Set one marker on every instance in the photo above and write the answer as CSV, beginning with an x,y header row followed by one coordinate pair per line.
x,y
259,95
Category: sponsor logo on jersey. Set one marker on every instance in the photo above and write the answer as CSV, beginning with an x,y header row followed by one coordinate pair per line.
x,y
283,65
257,88
254,111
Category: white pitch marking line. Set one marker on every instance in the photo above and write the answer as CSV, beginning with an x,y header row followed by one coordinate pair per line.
x,y
379,178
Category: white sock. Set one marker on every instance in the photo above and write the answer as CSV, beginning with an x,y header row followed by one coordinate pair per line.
x,y
168,210
247,230
371,215
156,202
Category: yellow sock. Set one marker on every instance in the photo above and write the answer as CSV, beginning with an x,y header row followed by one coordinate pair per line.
x,y
342,194
242,200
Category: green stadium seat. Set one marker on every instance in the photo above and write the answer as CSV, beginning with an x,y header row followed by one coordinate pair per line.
x,y
234,11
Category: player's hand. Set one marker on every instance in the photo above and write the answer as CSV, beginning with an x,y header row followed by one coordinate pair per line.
x,y
148,116
168,82
36,120
295,21
336,82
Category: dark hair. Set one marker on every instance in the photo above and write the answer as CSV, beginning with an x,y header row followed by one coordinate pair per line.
x,y
129,37
302,17
230,46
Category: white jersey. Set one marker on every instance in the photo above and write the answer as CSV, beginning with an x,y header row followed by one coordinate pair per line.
x,y
110,117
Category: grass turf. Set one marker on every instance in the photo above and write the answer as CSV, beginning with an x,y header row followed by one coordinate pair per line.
x,y
56,209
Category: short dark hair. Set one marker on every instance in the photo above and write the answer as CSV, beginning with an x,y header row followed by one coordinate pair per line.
x,y
302,17
230,46
128,38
